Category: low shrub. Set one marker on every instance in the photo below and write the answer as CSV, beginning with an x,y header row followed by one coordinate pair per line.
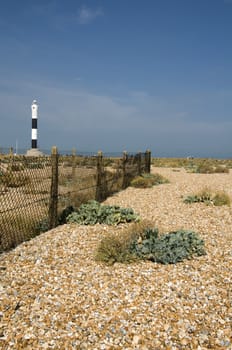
x,y
93,212
208,197
204,196
112,250
146,244
221,198
148,180
221,169
205,168
141,182
117,248
191,163
210,168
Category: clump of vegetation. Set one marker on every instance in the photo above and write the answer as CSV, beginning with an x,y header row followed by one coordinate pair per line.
x,y
170,162
146,244
203,196
208,197
42,226
148,180
209,167
221,198
93,212
169,248
112,249
221,169
117,247
62,219
192,164
205,168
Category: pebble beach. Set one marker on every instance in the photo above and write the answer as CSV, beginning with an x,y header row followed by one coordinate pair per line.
x,y
54,295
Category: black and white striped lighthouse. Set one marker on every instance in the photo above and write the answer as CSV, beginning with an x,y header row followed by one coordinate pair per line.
x,y
34,151
34,116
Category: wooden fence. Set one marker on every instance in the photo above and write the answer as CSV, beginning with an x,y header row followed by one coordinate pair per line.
x,y
35,191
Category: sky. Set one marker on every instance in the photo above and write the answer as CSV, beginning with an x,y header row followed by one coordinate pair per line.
x,y
116,75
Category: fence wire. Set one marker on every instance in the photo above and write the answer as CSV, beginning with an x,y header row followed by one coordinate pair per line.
x,y
24,197
26,188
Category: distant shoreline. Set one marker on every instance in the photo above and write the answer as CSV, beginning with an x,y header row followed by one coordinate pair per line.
x,y
22,151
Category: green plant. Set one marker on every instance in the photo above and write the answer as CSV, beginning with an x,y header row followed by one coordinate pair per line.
x,y
42,226
204,196
221,198
148,180
209,167
193,165
140,242
191,199
93,212
169,248
207,196
140,182
62,219
205,168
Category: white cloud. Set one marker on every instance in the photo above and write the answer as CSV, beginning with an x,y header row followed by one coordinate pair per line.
x,y
87,15
51,12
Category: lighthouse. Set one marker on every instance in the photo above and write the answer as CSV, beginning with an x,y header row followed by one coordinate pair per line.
x,y
34,116
34,151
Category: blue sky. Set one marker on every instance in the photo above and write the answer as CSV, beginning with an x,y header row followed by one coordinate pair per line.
x,y
116,75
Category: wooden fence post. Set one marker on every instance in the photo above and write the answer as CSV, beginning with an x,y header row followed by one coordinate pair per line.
x,y
139,159
148,161
99,187
54,189
73,163
124,174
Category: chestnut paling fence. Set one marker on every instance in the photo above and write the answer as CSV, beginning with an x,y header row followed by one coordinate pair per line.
x,y
35,191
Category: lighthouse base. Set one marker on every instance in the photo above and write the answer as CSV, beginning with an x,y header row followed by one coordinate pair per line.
x,y
34,152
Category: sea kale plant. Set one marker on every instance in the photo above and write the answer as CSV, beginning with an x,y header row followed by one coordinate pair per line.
x,y
147,244
93,212
168,248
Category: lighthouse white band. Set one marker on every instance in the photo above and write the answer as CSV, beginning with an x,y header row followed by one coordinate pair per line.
x,y
34,134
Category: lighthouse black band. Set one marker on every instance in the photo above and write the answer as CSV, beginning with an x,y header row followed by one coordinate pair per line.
x,y
33,143
34,123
